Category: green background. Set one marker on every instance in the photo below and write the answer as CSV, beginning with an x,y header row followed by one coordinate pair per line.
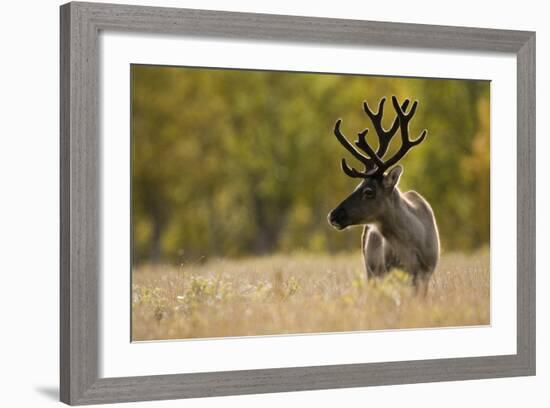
x,y
231,163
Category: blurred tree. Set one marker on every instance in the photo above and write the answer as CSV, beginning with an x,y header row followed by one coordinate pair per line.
x,y
235,162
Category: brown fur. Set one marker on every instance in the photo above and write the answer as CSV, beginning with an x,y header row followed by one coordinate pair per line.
x,y
399,231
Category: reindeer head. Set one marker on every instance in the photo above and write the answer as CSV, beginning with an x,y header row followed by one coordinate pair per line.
x,y
370,199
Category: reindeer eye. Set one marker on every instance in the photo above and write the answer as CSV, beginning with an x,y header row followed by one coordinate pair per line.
x,y
369,192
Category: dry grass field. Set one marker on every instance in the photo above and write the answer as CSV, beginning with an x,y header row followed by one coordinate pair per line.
x,y
302,294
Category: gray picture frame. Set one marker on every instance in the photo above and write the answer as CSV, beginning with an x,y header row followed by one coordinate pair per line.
x,y
81,24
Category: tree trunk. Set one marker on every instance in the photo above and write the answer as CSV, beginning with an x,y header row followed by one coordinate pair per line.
x,y
156,247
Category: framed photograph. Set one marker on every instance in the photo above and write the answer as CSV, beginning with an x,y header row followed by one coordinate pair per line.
x,y
261,203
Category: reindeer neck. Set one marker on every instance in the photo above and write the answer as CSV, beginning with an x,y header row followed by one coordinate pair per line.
x,y
395,221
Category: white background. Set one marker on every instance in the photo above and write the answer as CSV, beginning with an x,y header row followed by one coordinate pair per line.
x,y
29,204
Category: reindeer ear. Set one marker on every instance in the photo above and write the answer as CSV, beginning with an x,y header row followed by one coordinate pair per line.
x,y
391,179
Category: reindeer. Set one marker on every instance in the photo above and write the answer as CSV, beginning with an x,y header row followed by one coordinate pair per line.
x,y
399,228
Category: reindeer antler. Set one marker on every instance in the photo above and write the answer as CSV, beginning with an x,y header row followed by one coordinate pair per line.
x,y
384,136
373,161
